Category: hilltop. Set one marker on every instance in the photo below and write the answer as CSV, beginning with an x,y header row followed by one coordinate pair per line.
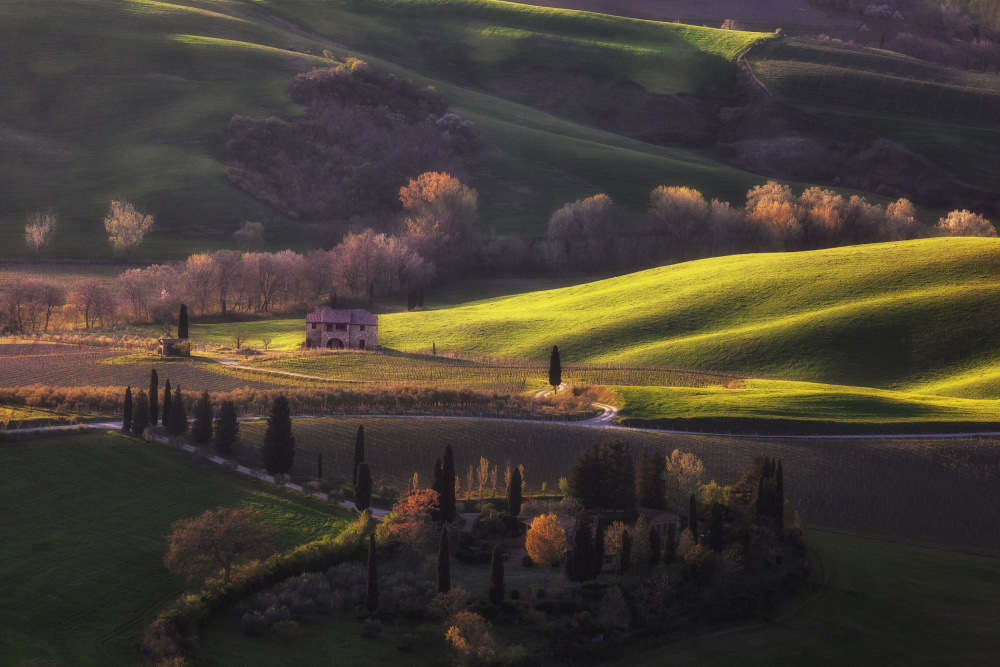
x,y
916,315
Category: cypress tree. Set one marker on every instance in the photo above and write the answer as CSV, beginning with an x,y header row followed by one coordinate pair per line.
x,y
363,488
140,414
649,489
227,429
693,517
779,513
598,549
178,424
372,596
359,452
201,432
761,502
555,368
573,572
670,548
583,551
496,576
716,540
182,322
167,400
319,466
437,485
154,397
279,443
625,555
444,563
654,547
514,493
448,509
127,411
639,560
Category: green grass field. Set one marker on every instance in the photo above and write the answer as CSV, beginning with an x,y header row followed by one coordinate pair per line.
x,y
105,99
81,571
777,399
878,603
946,115
908,316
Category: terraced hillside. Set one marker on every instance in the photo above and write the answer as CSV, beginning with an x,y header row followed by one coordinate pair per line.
x,y
104,99
918,315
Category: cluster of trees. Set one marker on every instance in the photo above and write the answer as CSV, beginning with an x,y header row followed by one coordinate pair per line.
x,y
362,136
682,224
125,225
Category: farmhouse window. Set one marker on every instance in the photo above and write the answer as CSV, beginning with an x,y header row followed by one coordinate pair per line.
x,y
341,327
314,326
329,327
362,327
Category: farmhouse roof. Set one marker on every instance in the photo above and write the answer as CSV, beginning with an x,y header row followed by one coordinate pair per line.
x,y
327,315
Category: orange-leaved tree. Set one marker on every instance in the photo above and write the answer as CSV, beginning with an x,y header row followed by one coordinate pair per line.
x,y
545,542
439,212
409,521
217,540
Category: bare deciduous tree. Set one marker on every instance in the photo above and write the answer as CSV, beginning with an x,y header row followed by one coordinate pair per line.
x,y
39,230
217,540
126,227
240,336
966,223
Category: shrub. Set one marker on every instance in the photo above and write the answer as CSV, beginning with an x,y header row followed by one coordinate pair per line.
x,y
372,627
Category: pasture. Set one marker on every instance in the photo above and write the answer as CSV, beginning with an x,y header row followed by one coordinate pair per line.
x,y
931,491
946,115
105,100
84,525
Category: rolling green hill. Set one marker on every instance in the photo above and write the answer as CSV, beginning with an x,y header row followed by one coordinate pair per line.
x,y
103,99
917,315
946,115
85,517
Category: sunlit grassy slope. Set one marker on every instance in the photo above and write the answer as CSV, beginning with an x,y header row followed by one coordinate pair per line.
x,y
103,99
917,315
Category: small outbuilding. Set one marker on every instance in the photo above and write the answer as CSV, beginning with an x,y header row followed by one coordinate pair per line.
x,y
660,520
332,329
174,347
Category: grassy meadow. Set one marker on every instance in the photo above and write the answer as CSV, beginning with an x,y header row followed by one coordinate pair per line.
x,y
84,526
104,99
946,115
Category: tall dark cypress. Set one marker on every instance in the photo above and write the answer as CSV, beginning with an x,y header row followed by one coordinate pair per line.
x,y
437,485
201,431
715,537
140,414
372,596
448,502
182,322
167,400
625,555
279,444
359,451
227,429
555,368
693,517
654,547
178,424
779,514
514,493
154,398
496,576
583,551
670,546
598,549
444,563
127,411
649,489
363,488
319,466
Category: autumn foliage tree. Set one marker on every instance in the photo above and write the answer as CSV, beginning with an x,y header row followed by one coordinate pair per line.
x,y
438,213
545,542
409,523
217,540
126,227
966,223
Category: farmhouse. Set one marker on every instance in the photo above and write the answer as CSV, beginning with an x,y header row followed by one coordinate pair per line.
x,y
341,329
